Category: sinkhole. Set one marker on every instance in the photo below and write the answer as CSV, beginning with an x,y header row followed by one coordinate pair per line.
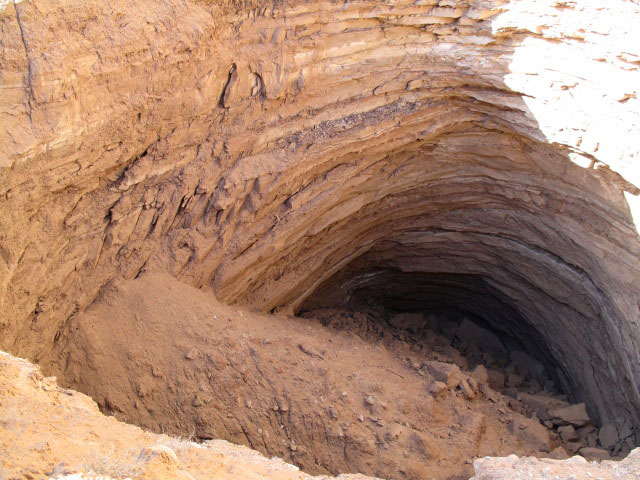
x,y
376,237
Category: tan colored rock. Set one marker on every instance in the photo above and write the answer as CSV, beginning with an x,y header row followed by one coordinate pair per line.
x,y
480,374
514,468
575,415
446,373
558,453
567,433
541,404
438,389
591,453
467,390
496,379
531,431
608,436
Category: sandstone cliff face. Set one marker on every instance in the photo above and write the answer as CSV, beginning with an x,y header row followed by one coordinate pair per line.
x,y
259,153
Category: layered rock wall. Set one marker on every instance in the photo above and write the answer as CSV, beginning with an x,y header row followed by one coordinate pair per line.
x,y
260,152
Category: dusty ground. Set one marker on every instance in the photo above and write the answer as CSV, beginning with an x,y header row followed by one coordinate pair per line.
x,y
169,358
47,431
50,432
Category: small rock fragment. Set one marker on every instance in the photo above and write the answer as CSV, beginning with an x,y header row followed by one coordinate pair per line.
x,y
163,452
438,389
558,453
191,354
466,389
312,352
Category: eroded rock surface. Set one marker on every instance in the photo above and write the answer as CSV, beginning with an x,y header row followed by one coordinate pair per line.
x,y
285,154
514,468
260,152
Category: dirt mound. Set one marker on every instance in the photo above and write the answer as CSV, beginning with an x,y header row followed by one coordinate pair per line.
x,y
169,358
49,432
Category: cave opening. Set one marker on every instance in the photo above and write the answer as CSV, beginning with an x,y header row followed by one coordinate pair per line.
x,y
451,299
471,294
464,309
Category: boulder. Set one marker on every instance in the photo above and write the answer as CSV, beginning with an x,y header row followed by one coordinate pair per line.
x,y
567,433
446,373
558,453
488,393
448,329
530,431
591,453
438,389
456,357
486,341
513,380
626,430
608,436
573,447
541,404
496,379
588,435
528,367
414,322
575,415
480,374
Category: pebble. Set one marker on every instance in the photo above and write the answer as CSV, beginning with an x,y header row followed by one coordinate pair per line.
x,y
191,354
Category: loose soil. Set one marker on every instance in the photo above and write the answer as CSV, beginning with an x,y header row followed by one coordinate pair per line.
x,y
354,398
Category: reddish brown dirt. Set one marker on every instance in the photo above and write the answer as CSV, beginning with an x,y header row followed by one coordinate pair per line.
x,y
168,357
48,432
